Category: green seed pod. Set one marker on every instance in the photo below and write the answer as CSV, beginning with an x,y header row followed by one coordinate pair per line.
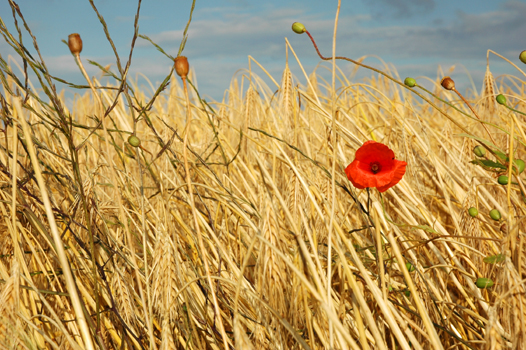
x,y
298,28
495,214
501,99
407,293
134,141
473,211
410,267
519,163
479,151
484,282
522,56
494,259
410,82
503,180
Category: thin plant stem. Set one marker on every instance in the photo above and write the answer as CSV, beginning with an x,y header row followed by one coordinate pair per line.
x,y
122,214
334,140
505,59
194,214
513,238
460,126
474,113
185,35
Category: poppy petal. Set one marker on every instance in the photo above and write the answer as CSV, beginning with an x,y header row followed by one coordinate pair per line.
x,y
361,176
373,151
352,173
397,175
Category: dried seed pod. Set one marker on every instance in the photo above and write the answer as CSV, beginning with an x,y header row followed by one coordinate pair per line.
x,y
504,228
298,28
447,83
411,82
181,66
75,43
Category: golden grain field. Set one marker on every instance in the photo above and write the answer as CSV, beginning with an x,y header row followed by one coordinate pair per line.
x,y
233,224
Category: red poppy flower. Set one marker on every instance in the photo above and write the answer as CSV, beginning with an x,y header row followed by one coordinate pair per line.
x,y
375,165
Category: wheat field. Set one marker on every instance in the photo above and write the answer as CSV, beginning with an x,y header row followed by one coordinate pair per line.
x,y
233,224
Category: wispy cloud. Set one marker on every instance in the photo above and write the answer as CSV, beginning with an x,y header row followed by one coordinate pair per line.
x,y
466,36
399,8
236,35
218,47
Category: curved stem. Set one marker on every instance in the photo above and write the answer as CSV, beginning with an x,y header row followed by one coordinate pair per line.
x,y
474,113
122,214
194,214
388,77
71,285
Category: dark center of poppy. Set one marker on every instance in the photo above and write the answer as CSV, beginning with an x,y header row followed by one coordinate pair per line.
x,y
376,167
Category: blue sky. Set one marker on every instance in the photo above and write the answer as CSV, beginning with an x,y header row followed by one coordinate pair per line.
x,y
415,36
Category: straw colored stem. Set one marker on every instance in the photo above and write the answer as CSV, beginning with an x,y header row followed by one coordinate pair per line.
x,y
333,172
435,340
146,305
196,223
474,113
59,245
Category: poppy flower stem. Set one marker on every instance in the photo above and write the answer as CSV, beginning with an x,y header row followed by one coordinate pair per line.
x,y
460,126
368,200
476,115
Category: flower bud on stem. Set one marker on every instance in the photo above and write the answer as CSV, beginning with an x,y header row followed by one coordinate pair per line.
x,y
75,43
359,63
182,68
75,46
449,84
